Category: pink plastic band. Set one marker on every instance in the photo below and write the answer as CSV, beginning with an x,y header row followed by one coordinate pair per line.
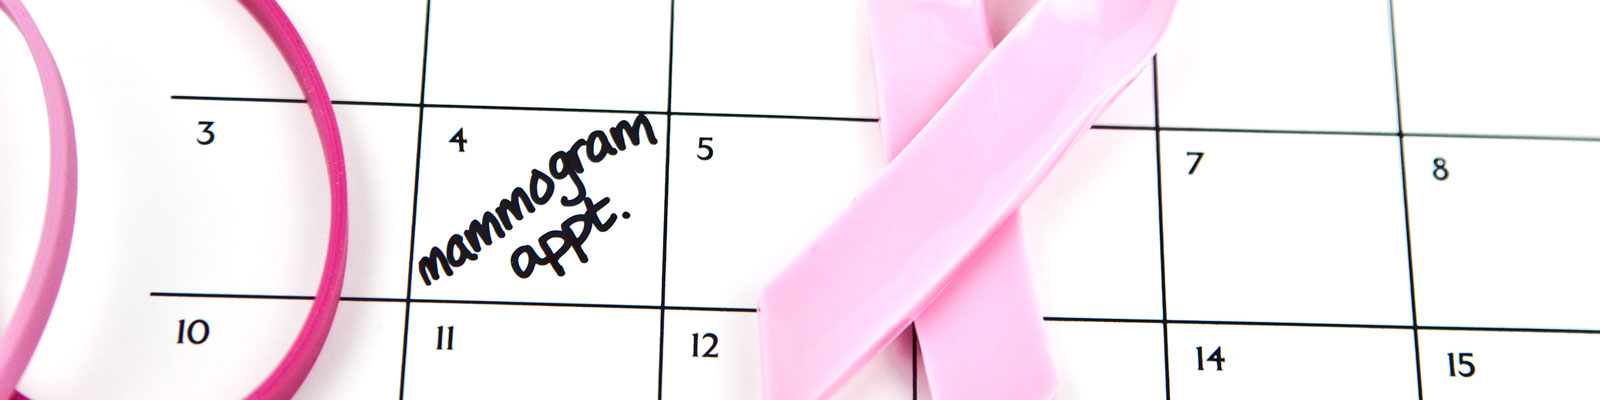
x,y
898,244
922,51
50,261
296,364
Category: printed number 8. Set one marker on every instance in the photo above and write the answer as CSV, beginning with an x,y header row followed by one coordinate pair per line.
x,y
1439,172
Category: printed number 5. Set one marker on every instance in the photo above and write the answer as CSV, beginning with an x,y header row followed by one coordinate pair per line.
x,y
707,146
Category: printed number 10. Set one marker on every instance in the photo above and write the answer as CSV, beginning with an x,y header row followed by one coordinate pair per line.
x,y
186,331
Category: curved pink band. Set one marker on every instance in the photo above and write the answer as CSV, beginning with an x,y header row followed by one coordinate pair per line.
x,y
50,261
22,334
296,364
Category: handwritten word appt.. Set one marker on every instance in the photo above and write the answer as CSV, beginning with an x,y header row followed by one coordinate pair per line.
x,y
566,166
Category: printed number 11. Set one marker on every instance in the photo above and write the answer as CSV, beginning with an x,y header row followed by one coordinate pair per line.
x,y
446,339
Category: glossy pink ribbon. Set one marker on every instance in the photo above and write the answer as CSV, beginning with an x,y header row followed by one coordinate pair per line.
x,y
983,336
941,216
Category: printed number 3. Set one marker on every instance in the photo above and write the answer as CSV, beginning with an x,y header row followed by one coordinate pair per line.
x,y
210,136
707,147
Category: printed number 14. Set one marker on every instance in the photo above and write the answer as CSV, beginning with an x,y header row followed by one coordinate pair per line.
x,y
1216,357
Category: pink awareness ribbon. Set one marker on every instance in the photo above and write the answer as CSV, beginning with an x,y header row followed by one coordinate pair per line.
x,y
922,52
44,281
941,214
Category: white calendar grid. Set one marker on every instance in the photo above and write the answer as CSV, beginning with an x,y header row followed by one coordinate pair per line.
x,y
1339,195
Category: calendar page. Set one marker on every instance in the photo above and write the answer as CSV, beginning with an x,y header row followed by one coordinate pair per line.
x,y
1297,199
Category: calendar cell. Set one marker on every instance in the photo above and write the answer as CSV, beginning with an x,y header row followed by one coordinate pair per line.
x,y
564,207
1284,228
1099,360
1275,362
1498,68
1309,65
1500,227
261,186
1091,229
786,58
365,335
227,54
1503,365
716,355
490,351
1135,106
173,347
748,194
589,54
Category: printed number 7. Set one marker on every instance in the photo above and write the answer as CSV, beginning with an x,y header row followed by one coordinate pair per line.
x,y
1197,156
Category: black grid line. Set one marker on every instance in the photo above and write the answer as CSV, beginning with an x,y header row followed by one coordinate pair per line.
x,y
416,182
1457,135
1161,225
359,299
666,186
530,108
1405,200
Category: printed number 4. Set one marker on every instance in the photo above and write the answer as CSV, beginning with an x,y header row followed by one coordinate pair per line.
x,y
1216,357
460,139
711,351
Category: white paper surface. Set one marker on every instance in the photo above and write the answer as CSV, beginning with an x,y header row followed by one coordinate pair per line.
x,y
1327,256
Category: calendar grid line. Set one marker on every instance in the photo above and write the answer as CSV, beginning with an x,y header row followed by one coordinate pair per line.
x,y
666,186
739,310
527,108
1161,227
416,190
1457,135
1405,201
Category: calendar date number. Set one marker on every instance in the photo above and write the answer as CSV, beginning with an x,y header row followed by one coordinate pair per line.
x,y
1461,365
193,332
1200,359
711,350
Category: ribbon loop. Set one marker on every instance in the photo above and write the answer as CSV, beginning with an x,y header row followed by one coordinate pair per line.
x,y
898,245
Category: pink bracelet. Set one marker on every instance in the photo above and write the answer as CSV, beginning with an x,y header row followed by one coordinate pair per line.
x,y
50,261
296,364
22,335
